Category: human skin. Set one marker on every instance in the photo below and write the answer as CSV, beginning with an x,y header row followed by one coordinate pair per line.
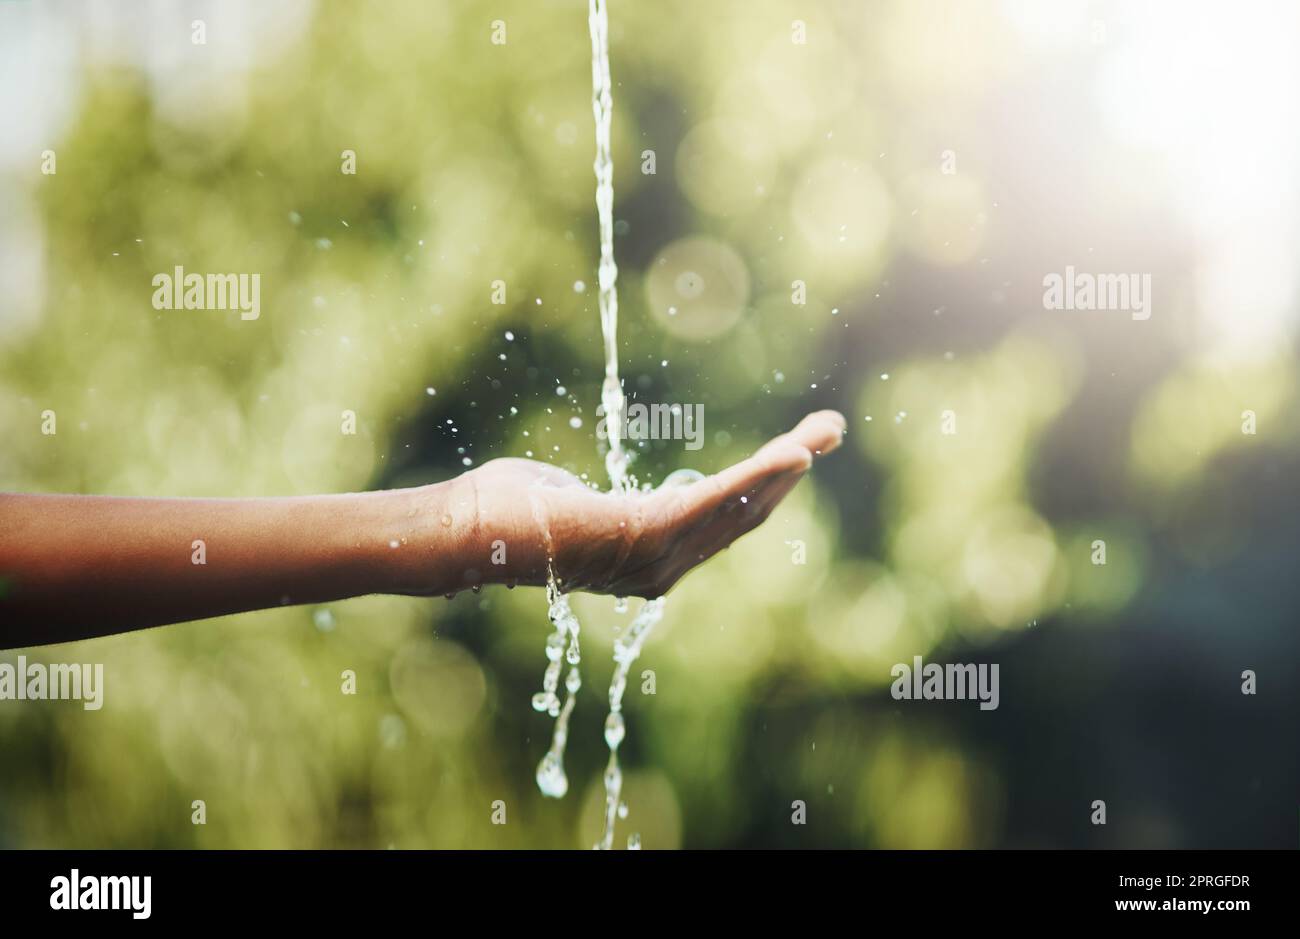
x,y
76,567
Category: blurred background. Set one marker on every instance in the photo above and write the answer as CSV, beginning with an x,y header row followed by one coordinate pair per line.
x,y
919,167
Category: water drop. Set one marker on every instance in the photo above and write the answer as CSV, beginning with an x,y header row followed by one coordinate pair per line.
x,y
614,729
550,777
681,477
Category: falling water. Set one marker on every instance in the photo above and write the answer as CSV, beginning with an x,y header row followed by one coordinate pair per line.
x,y
626,648
560,645
602,106
563,643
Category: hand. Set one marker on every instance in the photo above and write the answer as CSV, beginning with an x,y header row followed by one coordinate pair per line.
x,y
633,544
73,567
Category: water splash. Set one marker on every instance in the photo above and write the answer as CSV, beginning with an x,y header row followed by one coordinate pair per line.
x,y
561,646
551,778
626,649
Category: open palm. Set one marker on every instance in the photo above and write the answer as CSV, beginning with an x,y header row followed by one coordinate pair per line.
x,y
636,544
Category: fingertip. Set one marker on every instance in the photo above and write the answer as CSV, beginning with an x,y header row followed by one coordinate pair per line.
x,y
829,415
820,432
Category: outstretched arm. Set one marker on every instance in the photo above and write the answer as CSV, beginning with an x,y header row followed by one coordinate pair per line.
x,y
75,567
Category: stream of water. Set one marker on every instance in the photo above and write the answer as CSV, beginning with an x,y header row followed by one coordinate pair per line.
x,y
562,644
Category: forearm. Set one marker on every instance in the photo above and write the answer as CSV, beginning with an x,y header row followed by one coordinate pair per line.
x,y
73,567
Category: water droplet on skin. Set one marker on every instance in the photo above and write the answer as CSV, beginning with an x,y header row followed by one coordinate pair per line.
x,y
446,521
681,477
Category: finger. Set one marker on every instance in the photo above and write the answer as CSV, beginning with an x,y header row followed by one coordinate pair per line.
x,y
819,433
739,479
742,515
737,517
718,532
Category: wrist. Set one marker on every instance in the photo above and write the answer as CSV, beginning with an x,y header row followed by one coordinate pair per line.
x,y
398,543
